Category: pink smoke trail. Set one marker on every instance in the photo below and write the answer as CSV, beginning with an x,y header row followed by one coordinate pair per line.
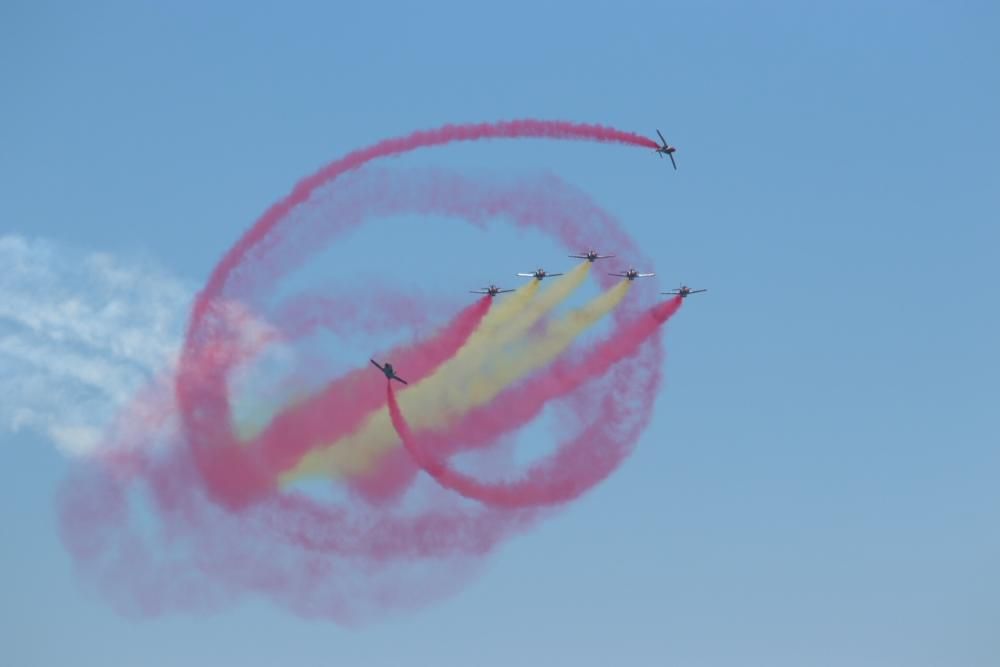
x,y
201,381
516,129
344,403
317,560
242,472
335,558
572,469
193,358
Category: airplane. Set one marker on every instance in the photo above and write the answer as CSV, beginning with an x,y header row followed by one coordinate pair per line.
x,y
538,275
632,274
492,290
666,149
683,291
389,371
591,255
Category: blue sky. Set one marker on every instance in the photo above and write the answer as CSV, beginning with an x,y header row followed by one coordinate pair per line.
x,y
818,485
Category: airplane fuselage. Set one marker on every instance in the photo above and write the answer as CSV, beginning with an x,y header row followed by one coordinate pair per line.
x,y
388,371
538,274
684,292
591,256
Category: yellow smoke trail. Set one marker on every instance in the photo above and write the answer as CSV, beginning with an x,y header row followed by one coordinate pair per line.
x,y
536,353
253,417
460,385
356,452
512,320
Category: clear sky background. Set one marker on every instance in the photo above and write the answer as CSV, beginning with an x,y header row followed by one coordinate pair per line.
x,y
819,485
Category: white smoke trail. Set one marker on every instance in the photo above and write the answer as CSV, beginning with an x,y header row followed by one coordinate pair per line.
x,y
80,333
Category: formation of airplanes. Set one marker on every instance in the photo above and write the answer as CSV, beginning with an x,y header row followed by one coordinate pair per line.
x,y
590,255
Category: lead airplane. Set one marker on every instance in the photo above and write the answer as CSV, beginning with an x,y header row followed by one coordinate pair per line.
x,y
539,274
591,255
666,149
683,291
632,274
388,371
492,290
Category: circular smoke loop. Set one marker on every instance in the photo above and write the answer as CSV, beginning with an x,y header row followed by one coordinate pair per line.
x,y
211,517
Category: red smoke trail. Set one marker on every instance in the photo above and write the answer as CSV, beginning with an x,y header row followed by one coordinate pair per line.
x,y
343,404
242,472
337,558
572,469
223,465
316,560
516,129
201,383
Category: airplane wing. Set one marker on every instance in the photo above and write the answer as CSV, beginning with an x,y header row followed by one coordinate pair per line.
x,y
396,377
620,275
375,363
578,256
661,137
646,275
604,256
674,292
527,275
673,161
695,291
506,290
549,275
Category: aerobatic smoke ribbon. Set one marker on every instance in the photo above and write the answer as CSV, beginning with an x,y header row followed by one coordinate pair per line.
x,y
268,223
517,129
337,409
230,471
568,472
227,528
475,374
